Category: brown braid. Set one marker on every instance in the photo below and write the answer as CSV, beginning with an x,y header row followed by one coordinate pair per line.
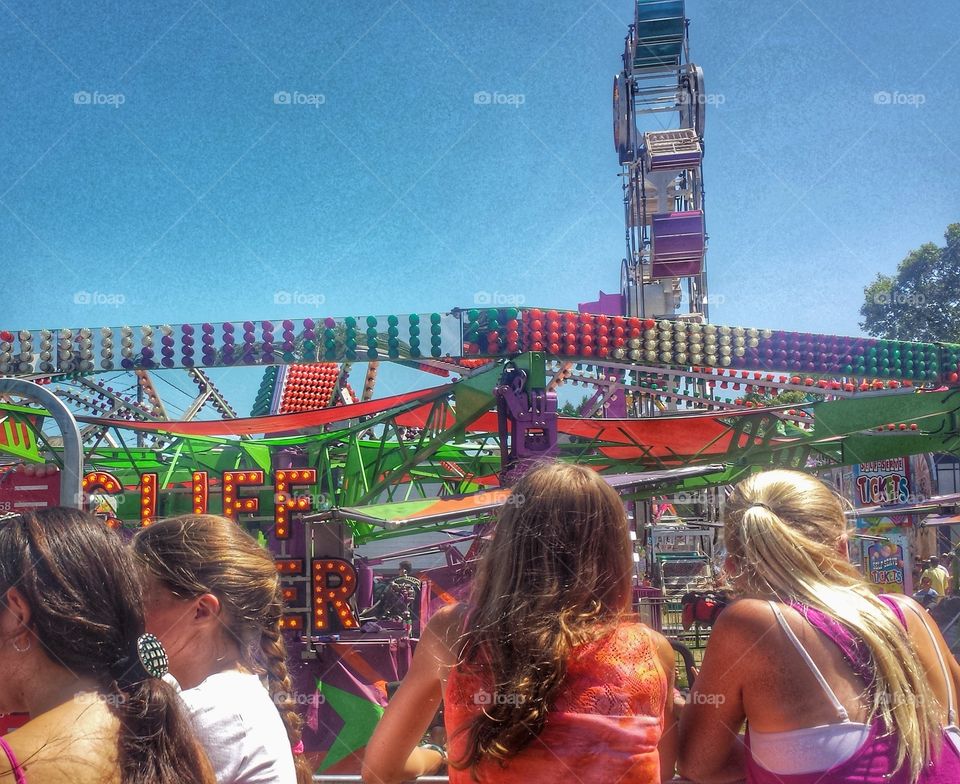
x,y
273,652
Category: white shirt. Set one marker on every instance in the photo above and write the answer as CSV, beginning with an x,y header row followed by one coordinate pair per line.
x,y
240,728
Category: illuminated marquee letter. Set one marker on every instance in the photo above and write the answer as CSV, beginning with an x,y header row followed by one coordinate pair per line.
x,y
291,623
283,500
232,503
289,567
148,499
334,582
102,482
201,490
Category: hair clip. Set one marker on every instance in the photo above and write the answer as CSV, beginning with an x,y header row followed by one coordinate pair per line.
x,y
152,656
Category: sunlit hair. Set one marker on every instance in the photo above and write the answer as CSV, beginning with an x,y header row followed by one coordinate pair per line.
x,y
556,574
791,549
197,554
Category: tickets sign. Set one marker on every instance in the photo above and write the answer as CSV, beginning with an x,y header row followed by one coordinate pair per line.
x,y
886,564
882,483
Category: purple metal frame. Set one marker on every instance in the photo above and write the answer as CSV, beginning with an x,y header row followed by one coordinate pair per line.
x,y
527,421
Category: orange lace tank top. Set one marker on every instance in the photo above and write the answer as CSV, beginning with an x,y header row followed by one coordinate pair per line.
x,y
603,727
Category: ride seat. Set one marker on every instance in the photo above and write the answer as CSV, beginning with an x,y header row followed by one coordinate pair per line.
x,y
677,244
660,29
672,150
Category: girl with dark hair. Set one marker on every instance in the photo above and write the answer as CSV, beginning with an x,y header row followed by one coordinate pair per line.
x,y
213,597
546,675
73,654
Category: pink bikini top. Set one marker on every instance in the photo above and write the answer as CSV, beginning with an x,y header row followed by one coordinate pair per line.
x,y
850,752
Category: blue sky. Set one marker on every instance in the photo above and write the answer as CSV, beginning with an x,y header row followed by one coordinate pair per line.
x,y
176,184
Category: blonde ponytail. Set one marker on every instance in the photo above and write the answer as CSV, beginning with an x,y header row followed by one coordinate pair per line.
x,y
786,533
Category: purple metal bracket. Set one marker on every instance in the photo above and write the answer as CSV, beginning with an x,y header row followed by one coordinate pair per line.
x,y
527,421
614,408
606,304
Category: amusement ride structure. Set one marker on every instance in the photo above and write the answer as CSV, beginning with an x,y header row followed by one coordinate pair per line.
x,y
321,467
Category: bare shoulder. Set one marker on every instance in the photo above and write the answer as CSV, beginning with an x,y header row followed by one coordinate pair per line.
x,y
444,629
75,742
741,644
742,629
745,617
448,619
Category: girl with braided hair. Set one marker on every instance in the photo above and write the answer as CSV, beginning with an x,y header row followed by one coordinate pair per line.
x,y
213,597
74,656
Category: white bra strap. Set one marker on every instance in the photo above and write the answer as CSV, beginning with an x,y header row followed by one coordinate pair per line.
x,y
951,713
841,711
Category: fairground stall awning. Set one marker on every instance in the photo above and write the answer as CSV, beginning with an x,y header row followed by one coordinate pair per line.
x,y
925,507
278,423
940,520
440,510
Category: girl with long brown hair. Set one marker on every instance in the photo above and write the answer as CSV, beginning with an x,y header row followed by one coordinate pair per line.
x,y
546,674
214,599
73,654
838,685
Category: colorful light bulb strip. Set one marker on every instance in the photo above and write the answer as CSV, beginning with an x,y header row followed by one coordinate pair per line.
x,y
102,482
289,567
201,491
682,343
474,334
150,395
292,623
265,394
306,387
491,331
209,344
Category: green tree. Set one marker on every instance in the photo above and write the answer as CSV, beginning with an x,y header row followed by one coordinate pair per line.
x,y
922,301
788,398
573,410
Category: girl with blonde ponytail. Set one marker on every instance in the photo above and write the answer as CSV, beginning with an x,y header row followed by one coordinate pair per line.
x,y
213,597
837,684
